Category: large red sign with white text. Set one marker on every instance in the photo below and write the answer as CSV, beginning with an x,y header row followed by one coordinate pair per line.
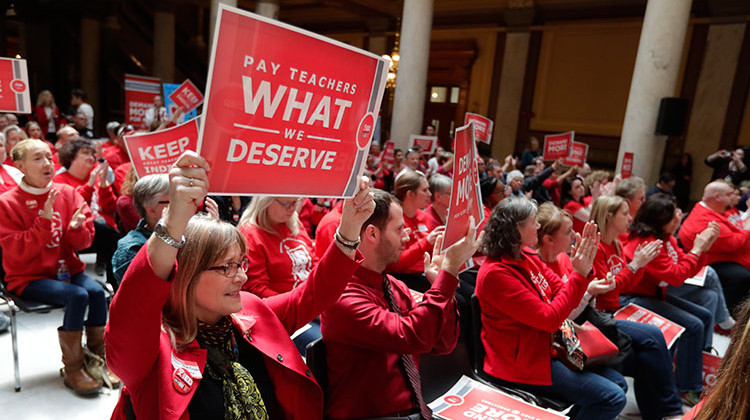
x,y
14,86
287,112
187,96
140,92
627,165
558,146
466,198
578,154
388,153
482,126
154,153
635,313
427,143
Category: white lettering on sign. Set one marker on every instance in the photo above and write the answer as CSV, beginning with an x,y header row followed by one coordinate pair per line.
x,y
163,151
261,65
259,153
322,112
557,147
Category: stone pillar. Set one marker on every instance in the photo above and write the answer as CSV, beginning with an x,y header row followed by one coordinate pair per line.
x,y
510,93
411,82
164,44
212,22
268,8
655,75
90,62
712,99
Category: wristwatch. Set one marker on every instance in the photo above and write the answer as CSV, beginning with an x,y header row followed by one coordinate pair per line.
x,y
161,232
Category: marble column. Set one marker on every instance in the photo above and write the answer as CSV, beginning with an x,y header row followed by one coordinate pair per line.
x,y
655,75
212,21
411,82
268,8
510,93
164,45
711,100
90,48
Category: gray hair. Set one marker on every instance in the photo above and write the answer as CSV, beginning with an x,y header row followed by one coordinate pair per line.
x,y
147,191
501,236
627,187
513,175
440,183
12,128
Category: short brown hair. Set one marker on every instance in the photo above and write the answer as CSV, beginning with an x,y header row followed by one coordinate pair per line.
x,y
380,216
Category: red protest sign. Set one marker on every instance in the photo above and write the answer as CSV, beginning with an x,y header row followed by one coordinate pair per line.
x,y
470,399
711,365
14,86
139,97
466,199
287,112
482,126
577,156
558,146
427,143
386,156
635,313
154,153
187,96
627,165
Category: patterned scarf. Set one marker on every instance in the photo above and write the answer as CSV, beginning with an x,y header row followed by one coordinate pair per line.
x,y
242,397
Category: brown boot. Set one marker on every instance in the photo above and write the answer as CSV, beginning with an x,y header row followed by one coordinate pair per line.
x,y
74,374
95,343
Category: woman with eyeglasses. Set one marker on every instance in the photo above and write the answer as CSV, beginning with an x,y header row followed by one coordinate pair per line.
x,y
280,252
188,342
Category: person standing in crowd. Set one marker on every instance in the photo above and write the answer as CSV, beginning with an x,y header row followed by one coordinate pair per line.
x,y
665,185
376,330
553,184
150,198
728,166
514,179
633,190
683,173
117,155
529,154
80,123
413,191
156,114
646,358
78,104
412,162
181,302
571,200
523,302
437,211
729,255
47,115
57,221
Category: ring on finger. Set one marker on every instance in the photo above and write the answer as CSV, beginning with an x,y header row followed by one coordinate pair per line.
x,y
190,181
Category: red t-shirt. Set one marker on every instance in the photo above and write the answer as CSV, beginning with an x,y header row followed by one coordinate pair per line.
x,y
572,207
327,228
608,260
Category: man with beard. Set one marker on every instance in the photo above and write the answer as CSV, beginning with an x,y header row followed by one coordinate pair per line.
x,y
730,254
377,330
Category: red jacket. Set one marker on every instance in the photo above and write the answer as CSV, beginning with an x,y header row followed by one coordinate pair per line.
x,y
278,263
140,352
33,245
106,202
733,243
364,341
516,322
412,257
40,115
609,260
671,266
327,228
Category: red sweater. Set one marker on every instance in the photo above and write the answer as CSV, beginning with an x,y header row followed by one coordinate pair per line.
x,y
364,341
733,243
9,180
608,260
327,228
516,322
120,173
115,156
33,245
310,217
101,200
433,218
40,115
278,263
671,266
412,257
572,207
140,352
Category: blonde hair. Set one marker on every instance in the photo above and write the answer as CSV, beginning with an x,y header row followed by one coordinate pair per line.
x,y
207,242
605,207
257,214
550,219
44,95
19,151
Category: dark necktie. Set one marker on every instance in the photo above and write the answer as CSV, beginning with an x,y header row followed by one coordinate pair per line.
x,y
407,362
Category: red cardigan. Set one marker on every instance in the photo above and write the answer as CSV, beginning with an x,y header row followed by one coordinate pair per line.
x,y
516,322
140,352
40,115
733,243
671,266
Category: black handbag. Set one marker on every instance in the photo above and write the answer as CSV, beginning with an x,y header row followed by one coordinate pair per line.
x,y
605,322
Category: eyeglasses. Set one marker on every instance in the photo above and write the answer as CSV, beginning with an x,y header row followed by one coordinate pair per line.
x,y
163,202
230,268
288,204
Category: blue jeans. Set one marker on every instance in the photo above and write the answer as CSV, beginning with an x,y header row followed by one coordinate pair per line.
x,y
597,395
697,294
82,292
650,366
698,323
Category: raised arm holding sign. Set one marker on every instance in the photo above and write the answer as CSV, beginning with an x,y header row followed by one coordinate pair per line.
x,y
154,153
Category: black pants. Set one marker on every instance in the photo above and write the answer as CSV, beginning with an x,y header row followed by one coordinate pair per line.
x,y
735,280
105,245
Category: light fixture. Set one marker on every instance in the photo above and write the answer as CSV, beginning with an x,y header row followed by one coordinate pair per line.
x,y
11,11
393,59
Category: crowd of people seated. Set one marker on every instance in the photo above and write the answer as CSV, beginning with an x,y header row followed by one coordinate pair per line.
x,y
208,290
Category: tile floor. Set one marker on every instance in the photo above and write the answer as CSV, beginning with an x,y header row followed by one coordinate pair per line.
x,y
45,397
